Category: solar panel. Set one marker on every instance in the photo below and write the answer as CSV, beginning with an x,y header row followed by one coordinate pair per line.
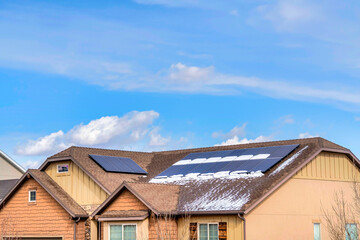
x,y
117,164
239,160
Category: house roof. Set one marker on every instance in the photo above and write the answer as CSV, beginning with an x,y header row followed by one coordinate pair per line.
x,y
12,162
167,196
64,199
238,195
5,186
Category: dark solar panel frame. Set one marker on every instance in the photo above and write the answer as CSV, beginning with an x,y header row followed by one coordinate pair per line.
x,y
117,164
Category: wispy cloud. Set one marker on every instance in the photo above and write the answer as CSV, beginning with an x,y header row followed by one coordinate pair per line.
x,y
237,140
131,130
237,136
307,135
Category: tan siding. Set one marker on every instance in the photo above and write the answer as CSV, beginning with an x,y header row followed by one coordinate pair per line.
x,y
234,225
330,166
46,217
289,213
77,184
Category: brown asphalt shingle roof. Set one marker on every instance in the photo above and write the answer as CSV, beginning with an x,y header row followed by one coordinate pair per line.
x,y
125,214
6,186
194,196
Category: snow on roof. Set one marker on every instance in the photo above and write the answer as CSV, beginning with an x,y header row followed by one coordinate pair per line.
x,y
211,201
183,180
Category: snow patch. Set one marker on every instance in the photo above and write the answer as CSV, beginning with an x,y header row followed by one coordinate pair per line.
x,y
287,162
182,180
207,202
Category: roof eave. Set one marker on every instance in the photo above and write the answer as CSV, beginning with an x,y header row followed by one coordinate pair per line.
x,y
12,162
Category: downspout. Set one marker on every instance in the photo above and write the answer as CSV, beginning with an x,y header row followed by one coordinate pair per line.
x,y
99,230
75,222
244,220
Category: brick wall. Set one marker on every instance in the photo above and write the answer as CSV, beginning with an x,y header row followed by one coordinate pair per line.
x,y
46,217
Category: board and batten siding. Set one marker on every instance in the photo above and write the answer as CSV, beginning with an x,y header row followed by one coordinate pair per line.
x,y
235,227
291,211
77,184
330,166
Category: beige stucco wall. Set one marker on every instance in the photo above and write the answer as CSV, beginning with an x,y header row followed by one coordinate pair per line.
x,y
77,184
7,171
234,225
289,213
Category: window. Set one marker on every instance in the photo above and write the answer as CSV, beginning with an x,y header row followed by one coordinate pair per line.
x,y
32,196
317,231
208,231
62,168
122,232
351,231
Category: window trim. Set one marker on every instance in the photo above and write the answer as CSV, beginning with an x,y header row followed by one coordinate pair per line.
x,y
317,223
356,227
57,168
122,230
30,191
208,229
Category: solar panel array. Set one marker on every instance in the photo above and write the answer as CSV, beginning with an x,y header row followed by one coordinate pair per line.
x,y
229,161
117,164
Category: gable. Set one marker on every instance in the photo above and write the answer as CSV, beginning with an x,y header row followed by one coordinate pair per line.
x,y
8,171
77,184
330,166
125,201
35,216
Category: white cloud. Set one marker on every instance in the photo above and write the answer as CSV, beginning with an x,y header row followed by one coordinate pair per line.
x,y
183,78
307,135
31,164
236,131
290,14
156,139
120,132
236,140
287,119
52,142
357,118
236,136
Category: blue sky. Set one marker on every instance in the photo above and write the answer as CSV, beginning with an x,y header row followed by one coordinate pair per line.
x,y
163,74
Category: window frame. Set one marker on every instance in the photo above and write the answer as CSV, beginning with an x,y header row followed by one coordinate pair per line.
x,y
31,191
317,223
57,168
122,229
208,229
356,228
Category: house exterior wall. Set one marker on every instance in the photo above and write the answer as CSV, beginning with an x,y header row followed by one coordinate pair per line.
x,y
126,201
45,218
163,228
77,184
291,211
8,171
235,227
142,229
